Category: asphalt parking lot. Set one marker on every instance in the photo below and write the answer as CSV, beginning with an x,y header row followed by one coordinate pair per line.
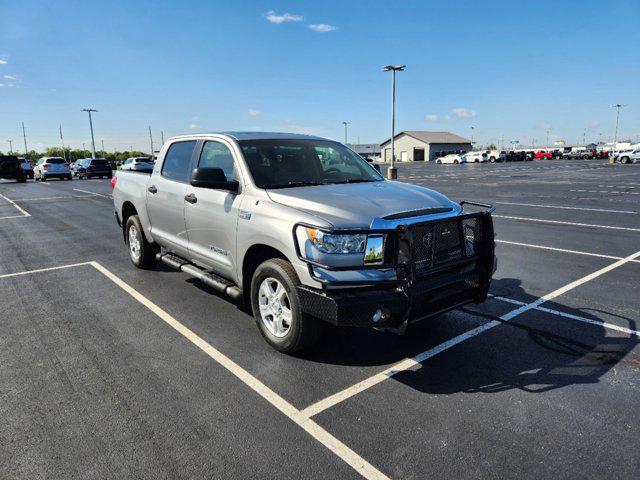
x,y
107,371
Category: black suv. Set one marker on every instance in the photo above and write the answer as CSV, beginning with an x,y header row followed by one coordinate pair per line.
x,y
97,167
11,169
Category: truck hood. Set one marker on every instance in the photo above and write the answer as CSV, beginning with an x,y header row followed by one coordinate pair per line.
x,y
357,204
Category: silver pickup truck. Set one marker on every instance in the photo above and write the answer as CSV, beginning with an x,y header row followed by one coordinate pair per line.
x,y
306,231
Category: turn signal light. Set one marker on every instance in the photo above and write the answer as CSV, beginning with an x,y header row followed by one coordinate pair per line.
x,y
113,182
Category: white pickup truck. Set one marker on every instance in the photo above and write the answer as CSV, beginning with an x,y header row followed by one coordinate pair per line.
x,y
306,231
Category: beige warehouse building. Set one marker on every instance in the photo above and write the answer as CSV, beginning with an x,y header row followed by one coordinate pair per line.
x,y
411,145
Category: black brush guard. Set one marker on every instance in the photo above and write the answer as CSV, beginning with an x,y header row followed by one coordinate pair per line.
x,y
439,265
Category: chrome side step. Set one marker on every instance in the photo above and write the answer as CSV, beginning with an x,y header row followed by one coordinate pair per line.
x,y
210,279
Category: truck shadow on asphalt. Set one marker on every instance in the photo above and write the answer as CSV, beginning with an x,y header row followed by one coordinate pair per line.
x,y
534,352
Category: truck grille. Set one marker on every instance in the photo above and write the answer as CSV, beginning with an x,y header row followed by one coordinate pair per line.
x,y
437,244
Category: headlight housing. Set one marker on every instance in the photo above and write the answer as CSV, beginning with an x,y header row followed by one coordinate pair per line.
x,y
337,243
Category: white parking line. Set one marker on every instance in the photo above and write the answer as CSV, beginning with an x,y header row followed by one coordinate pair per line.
x,y
51,198
562,250
38,270
413,363
591,321
542,220
347,455
18,207
569,208
93,193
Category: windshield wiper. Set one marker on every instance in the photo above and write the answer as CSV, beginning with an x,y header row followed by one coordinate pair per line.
x,y
359,180
297,184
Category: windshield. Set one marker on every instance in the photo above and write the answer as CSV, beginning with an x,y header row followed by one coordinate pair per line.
x,y
282,163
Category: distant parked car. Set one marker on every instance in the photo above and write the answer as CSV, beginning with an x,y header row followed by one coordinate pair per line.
x,y
576,155
543,155
77,166
475,157
51,167
138,163
26,167
96,167
452,158
11,169
496,156
629,156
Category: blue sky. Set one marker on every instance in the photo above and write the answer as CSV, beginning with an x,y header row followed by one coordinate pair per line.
x,y
512,69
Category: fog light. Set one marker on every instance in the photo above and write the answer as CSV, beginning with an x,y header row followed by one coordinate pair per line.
x,y
380,315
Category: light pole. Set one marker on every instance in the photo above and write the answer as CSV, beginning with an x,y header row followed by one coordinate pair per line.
x,y
151,141
64,152
93,143
547,139
617,106
10,146
392,172
24,136
102,143
472,139
345,131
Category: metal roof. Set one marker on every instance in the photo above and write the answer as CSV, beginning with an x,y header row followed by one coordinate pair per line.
x,y
431,137
255,135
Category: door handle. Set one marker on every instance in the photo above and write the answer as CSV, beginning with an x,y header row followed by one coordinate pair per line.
x,y
152,189
191,198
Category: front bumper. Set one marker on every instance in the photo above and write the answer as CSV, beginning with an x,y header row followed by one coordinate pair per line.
x,y
395,308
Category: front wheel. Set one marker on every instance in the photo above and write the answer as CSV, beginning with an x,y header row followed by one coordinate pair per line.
x,y
456,161
438,162
141,252
624,160
276,308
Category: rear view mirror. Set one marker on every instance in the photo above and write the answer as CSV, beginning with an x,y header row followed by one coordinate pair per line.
x,y
213,178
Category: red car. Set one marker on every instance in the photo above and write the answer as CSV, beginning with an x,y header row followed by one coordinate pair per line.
x,y
543,155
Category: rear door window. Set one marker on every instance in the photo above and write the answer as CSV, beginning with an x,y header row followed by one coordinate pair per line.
x,y
177,162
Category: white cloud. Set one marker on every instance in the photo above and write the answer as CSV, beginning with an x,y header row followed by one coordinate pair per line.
x,y
464,112
322,27
273,17
3,61
432,117
10,77
192,126
1,84
253,112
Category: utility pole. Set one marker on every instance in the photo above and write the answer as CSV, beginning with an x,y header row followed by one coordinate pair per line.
x,y
102,143
392,172
547,138
472,132
24,136
64,152
345,131
151,140
617,106
501,142
162,136
93,143
584,136
10,146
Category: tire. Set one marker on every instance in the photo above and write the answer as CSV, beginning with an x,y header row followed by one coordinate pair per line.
x,y
142,253
110,176
456,162
492,159
438,162
69,177
302,331
624,160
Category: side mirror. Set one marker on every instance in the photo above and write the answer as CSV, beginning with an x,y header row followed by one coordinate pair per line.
x,y
213,178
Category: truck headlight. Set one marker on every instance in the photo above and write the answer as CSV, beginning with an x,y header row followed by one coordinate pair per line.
x,y
337,243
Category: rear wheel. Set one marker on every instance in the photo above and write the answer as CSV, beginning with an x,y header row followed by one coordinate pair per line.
x,y
438,162
492,159
276,308
624,160
456,161
141,252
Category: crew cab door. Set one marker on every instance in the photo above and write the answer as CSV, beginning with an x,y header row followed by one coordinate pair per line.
x,y
166,190
211,215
